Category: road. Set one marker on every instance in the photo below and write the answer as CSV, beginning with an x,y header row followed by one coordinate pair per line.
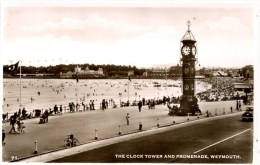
x,y
228,139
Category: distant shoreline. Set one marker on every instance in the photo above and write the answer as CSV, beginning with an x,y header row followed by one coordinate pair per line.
x,y
85,78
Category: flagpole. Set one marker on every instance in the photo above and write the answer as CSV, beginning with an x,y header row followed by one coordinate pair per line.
x,y
77,93
77,71
128,92
128,85
166,82
20,100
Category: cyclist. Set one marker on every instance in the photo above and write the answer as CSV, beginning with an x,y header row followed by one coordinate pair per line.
x,y
71,141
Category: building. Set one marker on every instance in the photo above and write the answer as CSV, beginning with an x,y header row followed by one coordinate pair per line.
x,y
87,73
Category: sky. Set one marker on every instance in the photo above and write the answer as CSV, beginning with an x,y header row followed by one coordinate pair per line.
x,y
139,35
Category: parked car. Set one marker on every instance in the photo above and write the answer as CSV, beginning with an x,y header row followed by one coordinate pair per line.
x,y
248,114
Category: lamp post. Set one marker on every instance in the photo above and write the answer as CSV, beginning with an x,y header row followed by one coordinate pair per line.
x,y
166,81
128,95
120,99
237,101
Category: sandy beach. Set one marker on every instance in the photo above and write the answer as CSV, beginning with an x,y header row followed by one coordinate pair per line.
x,y
63,91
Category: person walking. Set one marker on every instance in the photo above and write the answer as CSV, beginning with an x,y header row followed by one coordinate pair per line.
x,y
3,137
140,105
127,118
46,116
12,123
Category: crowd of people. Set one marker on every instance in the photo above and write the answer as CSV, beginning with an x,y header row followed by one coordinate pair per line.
x,y
75,107
222,90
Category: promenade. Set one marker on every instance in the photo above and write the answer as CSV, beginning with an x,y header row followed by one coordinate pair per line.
x,y
50,136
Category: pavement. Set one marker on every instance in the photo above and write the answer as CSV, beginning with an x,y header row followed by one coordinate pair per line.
x,y
50,136
203,140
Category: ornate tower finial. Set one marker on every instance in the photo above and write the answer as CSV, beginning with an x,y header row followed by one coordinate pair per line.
x,y
188,24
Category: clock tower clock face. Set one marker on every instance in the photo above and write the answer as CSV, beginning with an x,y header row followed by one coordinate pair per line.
x,y
193,50
185,50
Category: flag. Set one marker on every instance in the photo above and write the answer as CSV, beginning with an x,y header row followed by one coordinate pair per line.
x,y
11,68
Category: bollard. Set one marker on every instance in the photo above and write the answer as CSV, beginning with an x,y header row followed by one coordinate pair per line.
x,y
224,111
35,151
173,120
158,122
96,134
119,130
216,114
140,126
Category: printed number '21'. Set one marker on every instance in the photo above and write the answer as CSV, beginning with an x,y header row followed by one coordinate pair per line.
x,y
14,158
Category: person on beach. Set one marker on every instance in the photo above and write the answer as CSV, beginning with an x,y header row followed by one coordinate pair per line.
x,y
55,109
93,105
84,106
103,104
77,107
106,104
90,105
140,105
73,107
60,110
70,106
164,100
127,118
143,101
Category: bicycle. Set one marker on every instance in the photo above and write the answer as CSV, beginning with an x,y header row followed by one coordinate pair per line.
x,y
71,141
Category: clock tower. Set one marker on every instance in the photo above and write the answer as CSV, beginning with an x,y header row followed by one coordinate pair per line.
x,y
188,101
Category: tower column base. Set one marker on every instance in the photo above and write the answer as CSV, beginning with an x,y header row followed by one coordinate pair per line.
x,y
188,105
